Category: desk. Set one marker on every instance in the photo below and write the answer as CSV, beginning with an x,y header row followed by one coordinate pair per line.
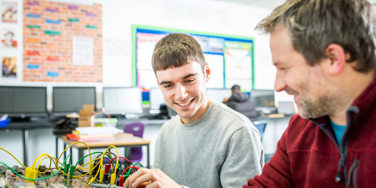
x,y
148,122
276,125
121,140
25,127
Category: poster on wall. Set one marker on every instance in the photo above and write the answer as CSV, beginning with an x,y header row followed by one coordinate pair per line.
x,y
238,69
83,50
8,38
9,67
230,58
145,47
8,11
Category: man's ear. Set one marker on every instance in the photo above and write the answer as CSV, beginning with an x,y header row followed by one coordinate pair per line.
x,y
337,57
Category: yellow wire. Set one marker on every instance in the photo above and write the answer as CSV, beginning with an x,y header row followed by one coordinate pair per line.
x,y
51,159
117,158
81,167
13,156
36,160
57,160
101,166
74,143
86,172
101,161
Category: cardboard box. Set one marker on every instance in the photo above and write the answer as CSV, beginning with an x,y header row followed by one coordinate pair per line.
x,y
86,116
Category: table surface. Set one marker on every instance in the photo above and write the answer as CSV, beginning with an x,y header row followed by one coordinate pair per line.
x,y
121,139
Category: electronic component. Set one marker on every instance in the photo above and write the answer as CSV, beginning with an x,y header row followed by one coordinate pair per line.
x,y
106,169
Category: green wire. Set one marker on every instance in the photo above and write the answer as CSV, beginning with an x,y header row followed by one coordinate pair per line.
x,y
37,179
129,171
85,157
137,163
75,166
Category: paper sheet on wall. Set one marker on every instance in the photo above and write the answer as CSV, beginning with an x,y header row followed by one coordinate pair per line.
x,y
145,47
215,63
8,11
83,51
238,67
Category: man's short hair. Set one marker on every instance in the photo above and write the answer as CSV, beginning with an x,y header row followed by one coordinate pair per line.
x,y
174,50
235,89
313,25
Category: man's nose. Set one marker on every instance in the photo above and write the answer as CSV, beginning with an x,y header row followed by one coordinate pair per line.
x,y
181,92
279,83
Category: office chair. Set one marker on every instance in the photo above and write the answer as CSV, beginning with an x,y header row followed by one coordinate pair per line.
x,y
137,129
260,125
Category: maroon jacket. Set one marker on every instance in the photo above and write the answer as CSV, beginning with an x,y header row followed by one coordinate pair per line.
x,y
309,156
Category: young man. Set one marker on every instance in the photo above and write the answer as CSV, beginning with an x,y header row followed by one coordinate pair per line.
x,y
207,144
324,52
241,103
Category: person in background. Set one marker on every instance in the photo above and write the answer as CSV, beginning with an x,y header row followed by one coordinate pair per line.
x,y
207,144
324,53
241,103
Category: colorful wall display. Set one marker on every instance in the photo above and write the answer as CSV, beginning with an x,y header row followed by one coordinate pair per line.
x,y
58,44
9,39
9,11
230,58
9,66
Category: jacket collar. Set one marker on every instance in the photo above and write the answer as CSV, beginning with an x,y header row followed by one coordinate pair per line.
x,y
365,101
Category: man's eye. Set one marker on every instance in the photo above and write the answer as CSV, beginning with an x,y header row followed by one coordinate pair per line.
x,y
190,81
166,85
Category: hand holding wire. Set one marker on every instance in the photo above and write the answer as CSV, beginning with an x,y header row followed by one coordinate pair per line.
x,y
151,177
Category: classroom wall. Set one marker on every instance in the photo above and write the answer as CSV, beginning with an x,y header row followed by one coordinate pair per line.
x,y
118,16
203,16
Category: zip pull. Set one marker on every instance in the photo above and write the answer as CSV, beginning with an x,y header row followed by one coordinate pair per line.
x,y
338,178
341,163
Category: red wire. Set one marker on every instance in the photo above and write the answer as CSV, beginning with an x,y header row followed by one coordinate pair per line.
x,y
119,158
129,167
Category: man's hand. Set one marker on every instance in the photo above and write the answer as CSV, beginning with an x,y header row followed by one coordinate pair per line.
x,y
225,100
154,178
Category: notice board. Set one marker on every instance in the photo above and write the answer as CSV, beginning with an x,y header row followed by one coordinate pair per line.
x,y
62,42
230,58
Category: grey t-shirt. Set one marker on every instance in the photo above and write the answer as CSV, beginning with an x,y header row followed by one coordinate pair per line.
x,y
221,149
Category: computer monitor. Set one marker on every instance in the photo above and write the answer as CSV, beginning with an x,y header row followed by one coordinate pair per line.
x,y
264,100
71,99
218,94
156,99
286,107
122,100
21,101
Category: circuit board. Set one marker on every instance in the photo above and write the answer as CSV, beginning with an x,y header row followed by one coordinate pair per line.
x,y
104,169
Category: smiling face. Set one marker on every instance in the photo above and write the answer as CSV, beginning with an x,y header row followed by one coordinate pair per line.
x,y
184,90
312,95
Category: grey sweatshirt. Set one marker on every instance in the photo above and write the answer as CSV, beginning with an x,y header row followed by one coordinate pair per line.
x,y
221,149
